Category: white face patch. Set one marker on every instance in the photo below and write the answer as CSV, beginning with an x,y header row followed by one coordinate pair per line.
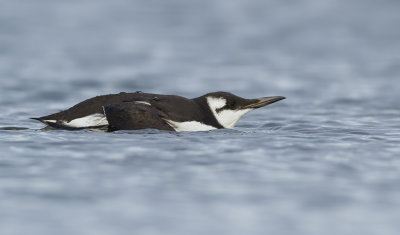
x,y
93,120
227,118
189,126
215,103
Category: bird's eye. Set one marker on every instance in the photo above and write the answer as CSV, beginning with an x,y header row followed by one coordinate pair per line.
x,y
231,104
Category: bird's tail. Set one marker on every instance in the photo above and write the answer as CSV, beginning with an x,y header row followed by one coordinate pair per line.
x,y
39,119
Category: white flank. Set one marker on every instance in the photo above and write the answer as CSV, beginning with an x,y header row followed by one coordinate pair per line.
x,y
93,120
189,126
143,102
227,117
52,121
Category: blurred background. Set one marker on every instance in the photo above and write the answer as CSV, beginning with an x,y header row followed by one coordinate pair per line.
x,y
309,49
324,161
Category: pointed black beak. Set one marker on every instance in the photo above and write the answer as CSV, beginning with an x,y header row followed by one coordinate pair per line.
x,y
261,102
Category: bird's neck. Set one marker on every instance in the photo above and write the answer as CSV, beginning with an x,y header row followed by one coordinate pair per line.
x,y
207,116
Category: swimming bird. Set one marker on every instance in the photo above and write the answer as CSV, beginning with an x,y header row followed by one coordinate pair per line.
x,y
134,111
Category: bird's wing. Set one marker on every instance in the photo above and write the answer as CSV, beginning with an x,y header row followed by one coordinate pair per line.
x,y
95,105
135,116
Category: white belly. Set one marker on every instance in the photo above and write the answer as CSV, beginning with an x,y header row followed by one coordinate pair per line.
x,y
98,119
189,126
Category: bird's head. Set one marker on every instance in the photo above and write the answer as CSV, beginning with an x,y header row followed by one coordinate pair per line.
x,y
228,108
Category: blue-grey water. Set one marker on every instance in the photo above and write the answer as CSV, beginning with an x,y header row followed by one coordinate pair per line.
x,y
324,161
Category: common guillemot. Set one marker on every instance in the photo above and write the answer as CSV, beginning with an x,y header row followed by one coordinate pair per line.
x,y
134,111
